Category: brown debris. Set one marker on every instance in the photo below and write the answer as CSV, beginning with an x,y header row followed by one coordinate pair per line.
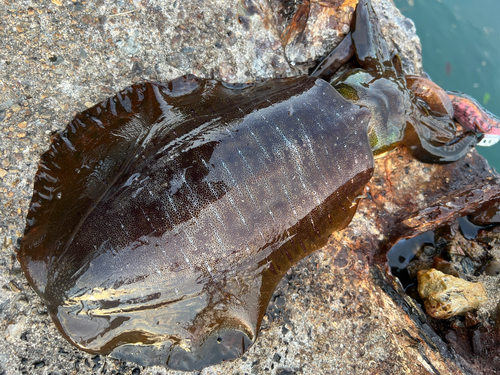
x,y
310,25
298,24
490,214
444,266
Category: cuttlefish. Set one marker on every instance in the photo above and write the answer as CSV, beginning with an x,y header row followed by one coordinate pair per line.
x,y
163,218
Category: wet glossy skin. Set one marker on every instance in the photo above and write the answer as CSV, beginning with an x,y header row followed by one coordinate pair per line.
x,y
471,115
405,110
177,215
163,218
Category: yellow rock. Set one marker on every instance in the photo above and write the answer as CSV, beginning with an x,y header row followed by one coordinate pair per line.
x,y
445,296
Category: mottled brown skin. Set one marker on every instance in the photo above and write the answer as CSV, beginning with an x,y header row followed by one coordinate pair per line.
x,y
432,94
177,215
163,218
458,106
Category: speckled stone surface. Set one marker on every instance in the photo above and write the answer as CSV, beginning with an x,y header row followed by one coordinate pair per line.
x,y
60,57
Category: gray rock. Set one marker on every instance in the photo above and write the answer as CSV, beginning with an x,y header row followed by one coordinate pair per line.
x,y
96,44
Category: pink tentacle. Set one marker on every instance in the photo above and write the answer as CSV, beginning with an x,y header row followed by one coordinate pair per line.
x,y
471,115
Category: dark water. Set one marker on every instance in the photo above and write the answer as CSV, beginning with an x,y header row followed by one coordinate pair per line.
x,y
403,252
461,49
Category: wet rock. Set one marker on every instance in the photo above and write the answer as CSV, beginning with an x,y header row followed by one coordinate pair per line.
x,y
467,256
444,266
418,265
446,296
471,320
460,246
226,72
492,268
319,26
487,215
310,29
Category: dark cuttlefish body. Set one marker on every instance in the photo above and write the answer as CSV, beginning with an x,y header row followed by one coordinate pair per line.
x,y
168,213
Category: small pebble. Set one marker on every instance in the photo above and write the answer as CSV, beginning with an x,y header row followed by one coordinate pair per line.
x,y
444,266
493,268
226,72
178,60
445,296
86,19
471,320
14,287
